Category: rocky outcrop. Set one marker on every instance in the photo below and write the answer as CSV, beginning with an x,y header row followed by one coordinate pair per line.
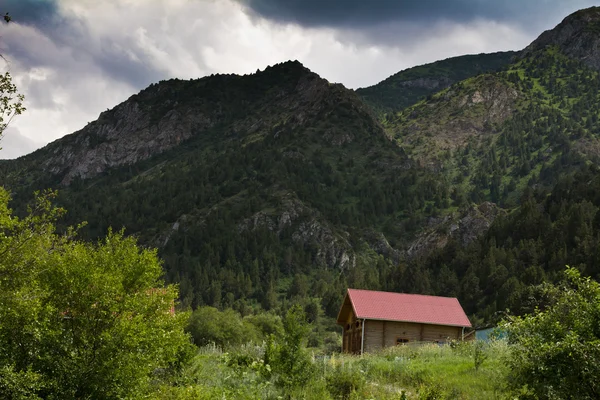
x,y
282,99
466,228
577,36
470,109
378,242
122,136
332,250
429,83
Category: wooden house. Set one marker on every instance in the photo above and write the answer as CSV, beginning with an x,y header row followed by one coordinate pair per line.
x,y
373,320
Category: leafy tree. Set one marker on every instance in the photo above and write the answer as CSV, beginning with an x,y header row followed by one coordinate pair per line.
x,y
287,356
556,353
11,102
223,328
81,320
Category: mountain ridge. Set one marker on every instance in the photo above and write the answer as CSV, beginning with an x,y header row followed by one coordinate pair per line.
x,y
408,86
576,36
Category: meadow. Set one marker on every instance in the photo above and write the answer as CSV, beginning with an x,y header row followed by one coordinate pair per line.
x,y
470,370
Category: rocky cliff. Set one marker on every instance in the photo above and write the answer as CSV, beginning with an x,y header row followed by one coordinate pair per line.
x,y
577,36
171,112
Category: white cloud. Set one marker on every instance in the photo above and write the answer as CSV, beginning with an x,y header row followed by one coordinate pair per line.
x,y
109,50
13,144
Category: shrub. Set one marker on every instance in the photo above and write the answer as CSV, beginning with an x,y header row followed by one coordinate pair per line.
x,y
223,328
556,352
343,381
479,355
22,385
287,355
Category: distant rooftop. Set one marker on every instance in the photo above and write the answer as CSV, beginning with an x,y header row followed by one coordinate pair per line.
x,y
422,309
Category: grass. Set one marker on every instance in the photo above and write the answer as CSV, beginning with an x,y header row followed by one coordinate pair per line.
x,y
427,371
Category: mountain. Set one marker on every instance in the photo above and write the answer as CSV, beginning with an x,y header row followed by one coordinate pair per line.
x,y
518,138
239,180
407,87
280,187
576,37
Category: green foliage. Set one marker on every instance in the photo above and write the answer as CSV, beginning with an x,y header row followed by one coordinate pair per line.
x,y
209,325
227,328
556,351
22,385
430,371
343,381
11,102
81,319
479,355
287,355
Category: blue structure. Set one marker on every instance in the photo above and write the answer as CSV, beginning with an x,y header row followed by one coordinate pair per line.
x,y
488,334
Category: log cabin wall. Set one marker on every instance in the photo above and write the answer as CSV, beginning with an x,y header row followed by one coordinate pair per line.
x,y
352,335
441,333
380,334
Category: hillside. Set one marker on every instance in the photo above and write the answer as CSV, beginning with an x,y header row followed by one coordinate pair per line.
x,y
512,138
407,87
240,181
279,187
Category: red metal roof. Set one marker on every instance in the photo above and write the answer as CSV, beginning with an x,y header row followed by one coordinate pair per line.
x,y
369,304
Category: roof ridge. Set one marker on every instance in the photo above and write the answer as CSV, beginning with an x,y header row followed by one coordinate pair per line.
x,y
406,294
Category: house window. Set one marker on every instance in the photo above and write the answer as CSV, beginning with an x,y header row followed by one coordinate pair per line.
x,y
401,341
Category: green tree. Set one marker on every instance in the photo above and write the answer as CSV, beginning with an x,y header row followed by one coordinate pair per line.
x,y
11,102
81,320
556,352
223,328
287,356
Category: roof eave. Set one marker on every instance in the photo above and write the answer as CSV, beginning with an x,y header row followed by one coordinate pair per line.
x,y
347,296
413,322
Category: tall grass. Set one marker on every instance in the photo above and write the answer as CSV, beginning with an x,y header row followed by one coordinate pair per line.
x,y
427,371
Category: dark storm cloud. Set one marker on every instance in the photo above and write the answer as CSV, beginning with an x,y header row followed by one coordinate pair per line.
x,y
121,61
363,13
132,66
31,12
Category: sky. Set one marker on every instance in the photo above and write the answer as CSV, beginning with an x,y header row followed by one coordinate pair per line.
x,y
73,59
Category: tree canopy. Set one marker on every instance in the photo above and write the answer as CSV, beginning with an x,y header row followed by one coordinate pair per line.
x,y
80,320
556,351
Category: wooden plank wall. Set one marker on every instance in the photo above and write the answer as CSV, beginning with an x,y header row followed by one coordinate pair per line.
x,y
380,334
441,333
352,335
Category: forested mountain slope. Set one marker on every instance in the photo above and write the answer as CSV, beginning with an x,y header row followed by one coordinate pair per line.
x,y
526,139
240,181
280,187
406,87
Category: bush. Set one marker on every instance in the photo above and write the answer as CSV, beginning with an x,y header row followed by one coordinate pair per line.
x,y
22,385
287,355
79,319
266,323
343,381
223,328
434,392
556,352
479,355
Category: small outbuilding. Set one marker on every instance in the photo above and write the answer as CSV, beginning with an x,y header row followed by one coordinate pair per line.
x,y
373,320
